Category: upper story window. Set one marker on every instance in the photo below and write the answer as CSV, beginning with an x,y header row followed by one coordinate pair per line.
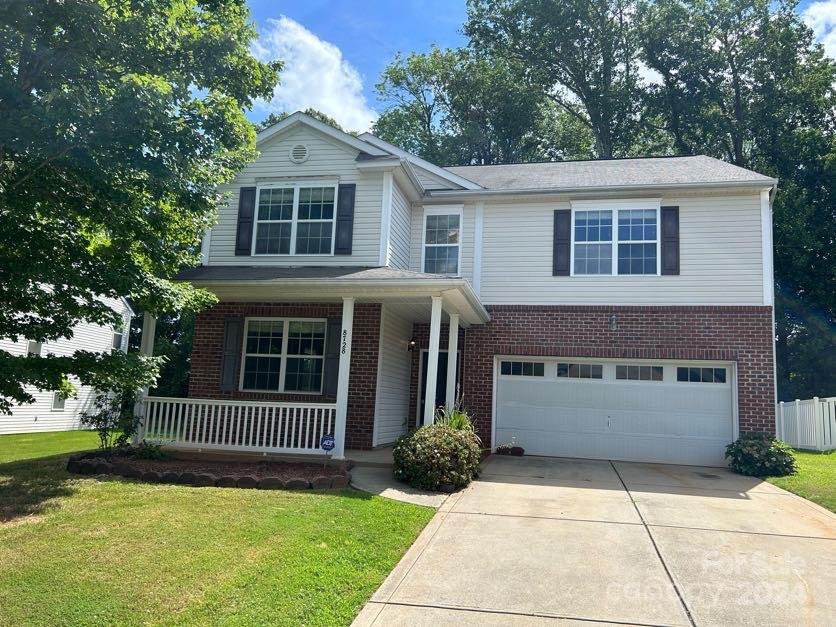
x,y
615,241
33,348
295,220
283,355
442,241
117,339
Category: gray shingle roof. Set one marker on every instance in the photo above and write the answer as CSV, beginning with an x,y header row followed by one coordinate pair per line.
x,y
608,173
268,273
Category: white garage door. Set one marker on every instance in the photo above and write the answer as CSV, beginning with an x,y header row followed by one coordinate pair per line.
x,y
679,413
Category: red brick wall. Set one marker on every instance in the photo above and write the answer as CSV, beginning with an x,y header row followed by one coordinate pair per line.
x,y
207,350
739,334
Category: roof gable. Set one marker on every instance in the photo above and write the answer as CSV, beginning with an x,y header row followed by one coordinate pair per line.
x,y
296,119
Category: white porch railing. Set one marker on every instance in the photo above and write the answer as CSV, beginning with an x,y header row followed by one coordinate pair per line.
x,y
809,424
237,425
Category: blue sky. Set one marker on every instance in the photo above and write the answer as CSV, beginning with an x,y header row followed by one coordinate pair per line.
x,y
335,50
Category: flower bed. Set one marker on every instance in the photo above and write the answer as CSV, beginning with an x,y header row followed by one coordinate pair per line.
x,y
266,475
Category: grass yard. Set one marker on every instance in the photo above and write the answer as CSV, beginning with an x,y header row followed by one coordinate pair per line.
x,y
88,551
815,480
31,445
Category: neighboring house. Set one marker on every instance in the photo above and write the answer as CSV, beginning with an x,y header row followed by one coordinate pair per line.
x,y
614,309
50,412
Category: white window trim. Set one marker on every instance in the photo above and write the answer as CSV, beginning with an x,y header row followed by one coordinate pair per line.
x,y
616,206
283,355
294,220
443,210
52,404
40,350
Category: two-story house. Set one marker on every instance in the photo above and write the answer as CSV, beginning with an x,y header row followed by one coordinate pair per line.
x,y
50,411
614,309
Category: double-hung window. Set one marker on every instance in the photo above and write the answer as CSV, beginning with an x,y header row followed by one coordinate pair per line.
x,y
613,240
442,241
295,220
283,355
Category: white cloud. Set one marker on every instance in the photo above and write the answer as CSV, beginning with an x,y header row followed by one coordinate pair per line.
x,y
821,17
315,74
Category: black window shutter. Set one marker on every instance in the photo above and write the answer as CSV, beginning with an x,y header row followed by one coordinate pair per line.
x,y
345,219
670,240
332,355
230,362
246,215
562,242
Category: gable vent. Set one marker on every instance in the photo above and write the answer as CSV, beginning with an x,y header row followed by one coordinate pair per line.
x,y
299,153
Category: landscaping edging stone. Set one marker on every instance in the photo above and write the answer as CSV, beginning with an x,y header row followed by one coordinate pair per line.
x,y
93,464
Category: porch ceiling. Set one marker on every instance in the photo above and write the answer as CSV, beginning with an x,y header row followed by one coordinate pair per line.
x,y
408,292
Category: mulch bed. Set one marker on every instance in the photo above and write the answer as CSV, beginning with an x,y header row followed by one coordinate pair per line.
x,y
266,475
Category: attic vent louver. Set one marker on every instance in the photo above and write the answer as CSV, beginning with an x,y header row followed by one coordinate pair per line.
x,y
299,153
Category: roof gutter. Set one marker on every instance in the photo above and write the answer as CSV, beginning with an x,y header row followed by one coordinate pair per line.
x,y
540,191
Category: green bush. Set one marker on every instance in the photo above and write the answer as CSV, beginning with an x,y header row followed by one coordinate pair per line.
x,y
761,455
437,457
146,450
455,418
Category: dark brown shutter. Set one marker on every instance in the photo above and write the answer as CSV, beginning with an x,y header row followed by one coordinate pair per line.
x,y
345,219
332,355
670,240
562,242
246,214
230,362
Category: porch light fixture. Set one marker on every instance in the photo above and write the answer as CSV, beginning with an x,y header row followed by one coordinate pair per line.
x,y
613,323
412,344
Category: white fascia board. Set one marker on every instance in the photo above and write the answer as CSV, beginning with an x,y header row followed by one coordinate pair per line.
x,y
455,289
466,194
336,134
421,163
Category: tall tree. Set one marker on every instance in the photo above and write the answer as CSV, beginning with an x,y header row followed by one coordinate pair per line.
x,y
581,53
118,118
275,118
457,107
744,81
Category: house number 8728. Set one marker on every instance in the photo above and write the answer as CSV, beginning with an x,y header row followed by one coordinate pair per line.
x,y
345,342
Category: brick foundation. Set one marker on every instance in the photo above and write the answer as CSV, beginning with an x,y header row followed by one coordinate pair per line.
x,y
204,380
739,334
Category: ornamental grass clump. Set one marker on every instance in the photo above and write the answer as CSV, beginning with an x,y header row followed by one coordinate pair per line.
x,y
437,457
761,455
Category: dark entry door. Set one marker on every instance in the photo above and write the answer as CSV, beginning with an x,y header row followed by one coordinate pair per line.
x,y
440,383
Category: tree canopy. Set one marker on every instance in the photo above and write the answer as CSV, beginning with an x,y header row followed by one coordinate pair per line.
x,y
739,80
118,119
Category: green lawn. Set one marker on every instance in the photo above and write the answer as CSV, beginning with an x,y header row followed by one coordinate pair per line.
x,y
32,445
88,551
816,478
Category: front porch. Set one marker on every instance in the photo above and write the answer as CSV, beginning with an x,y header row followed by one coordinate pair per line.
x,y
358,359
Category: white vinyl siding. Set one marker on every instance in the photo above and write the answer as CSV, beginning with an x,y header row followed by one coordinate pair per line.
x,y
394,371
400,231
328,160
720,256
39,416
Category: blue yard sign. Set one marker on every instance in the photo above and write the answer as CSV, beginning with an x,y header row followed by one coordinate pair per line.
x,y
327,442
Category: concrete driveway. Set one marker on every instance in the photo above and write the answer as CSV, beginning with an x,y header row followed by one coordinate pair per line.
x,y
537,540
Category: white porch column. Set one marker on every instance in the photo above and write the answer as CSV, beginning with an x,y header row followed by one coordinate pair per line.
x,y
432,361
452,358
146,347
342,381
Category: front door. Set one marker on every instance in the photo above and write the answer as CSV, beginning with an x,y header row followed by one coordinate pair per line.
x,y
440,383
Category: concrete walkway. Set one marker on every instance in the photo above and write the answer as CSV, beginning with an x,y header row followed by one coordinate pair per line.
x,y
381,482
543,540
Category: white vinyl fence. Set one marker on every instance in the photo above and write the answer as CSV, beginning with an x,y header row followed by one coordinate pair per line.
x,y
237,425
809,424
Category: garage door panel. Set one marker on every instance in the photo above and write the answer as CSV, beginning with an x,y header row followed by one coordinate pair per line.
x,y
655,421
